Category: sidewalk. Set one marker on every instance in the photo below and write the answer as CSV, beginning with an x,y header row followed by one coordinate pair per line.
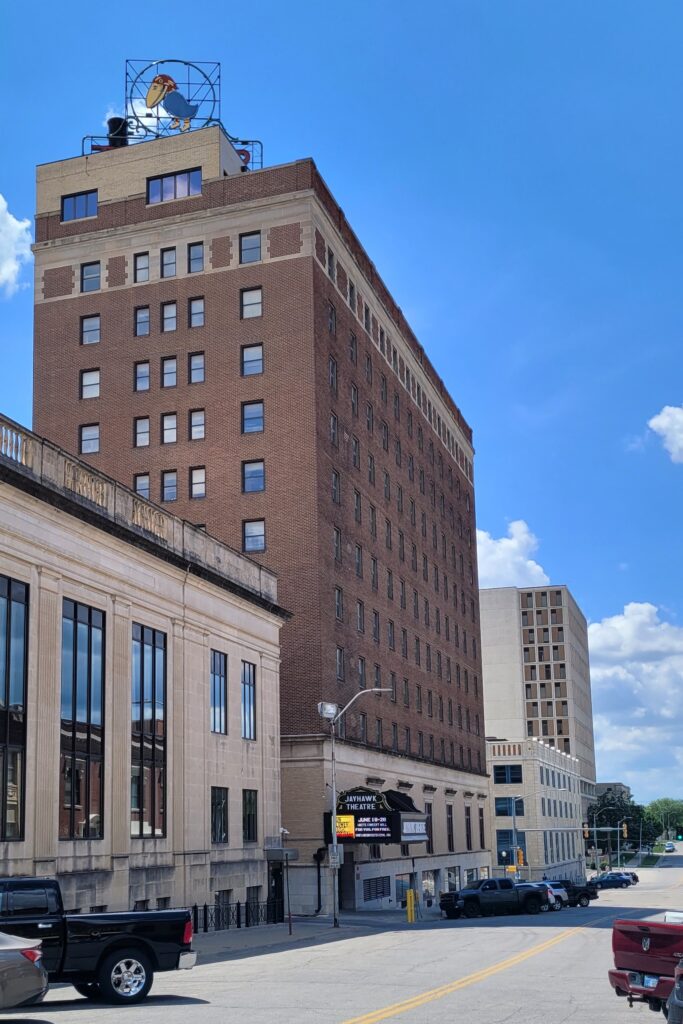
x,y
236,943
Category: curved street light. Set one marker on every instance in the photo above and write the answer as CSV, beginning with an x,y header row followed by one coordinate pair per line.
x,y
332,712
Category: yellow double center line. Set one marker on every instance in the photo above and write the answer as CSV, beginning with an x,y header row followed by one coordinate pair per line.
x,y
470,979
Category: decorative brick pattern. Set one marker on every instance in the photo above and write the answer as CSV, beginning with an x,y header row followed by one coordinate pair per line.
x,y
58,281
221,252
320,247
285,240
116,271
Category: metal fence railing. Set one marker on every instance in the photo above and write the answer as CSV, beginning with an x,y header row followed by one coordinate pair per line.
x,y
221,916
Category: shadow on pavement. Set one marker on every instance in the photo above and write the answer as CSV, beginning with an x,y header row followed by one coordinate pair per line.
x,y
79,1003
591,917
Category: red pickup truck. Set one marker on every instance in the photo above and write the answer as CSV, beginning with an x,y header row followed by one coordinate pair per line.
x,y
646,955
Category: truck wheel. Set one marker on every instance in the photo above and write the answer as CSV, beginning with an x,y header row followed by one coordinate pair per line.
x,y
583,901
125,977
471,909
452,914
545,907
90,990
533,905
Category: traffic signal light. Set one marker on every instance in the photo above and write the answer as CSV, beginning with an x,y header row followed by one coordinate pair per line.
x,y
586,833
624,830
520,856
679,834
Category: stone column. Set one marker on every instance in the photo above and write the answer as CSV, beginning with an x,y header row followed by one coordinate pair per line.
x,y
42,776
118,709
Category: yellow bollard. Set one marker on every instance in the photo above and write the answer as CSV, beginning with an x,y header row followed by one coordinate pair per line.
x,y
410,906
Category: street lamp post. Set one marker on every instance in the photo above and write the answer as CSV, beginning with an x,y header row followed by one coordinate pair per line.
x,y
331,712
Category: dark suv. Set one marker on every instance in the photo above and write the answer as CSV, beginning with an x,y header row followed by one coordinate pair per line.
x,y
580,893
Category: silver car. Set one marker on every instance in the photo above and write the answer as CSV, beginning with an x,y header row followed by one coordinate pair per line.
x,y
23,979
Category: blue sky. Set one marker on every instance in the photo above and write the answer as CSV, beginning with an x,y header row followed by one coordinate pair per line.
x,y
514,171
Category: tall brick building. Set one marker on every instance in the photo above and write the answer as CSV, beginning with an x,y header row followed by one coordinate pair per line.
x,y
221,342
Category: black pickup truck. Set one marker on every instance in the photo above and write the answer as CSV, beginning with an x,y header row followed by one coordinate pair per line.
x,y
499,896
107,957
580,893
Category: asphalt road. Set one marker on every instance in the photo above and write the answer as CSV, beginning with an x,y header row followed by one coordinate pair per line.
x,y
509,970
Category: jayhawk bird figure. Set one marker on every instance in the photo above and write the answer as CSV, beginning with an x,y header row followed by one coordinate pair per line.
x,y
164,91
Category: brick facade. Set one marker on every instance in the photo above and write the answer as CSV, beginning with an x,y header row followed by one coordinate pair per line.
x,y
298,220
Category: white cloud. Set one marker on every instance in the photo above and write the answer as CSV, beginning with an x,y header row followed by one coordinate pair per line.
x,y
15,247
637,676
506,561
669,425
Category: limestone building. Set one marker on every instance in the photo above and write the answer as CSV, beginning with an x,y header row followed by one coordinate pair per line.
x,y
139,694
535,808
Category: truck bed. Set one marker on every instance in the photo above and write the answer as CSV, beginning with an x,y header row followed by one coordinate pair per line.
x,y
646,954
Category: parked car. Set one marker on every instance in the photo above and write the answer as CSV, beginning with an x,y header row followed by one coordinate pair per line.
x,y
646,955
669,848
23,979
448,904
675,1004
557,894
111,957
633,876
612,880
500,896
579,893
545,907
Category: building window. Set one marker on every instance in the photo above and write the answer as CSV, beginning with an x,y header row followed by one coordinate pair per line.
x,y
90,383
148,741
337,544
361,674
174,186
219,814
450,835
358,560
141,381
334,436
141,321
90,330
82,730
249,815
198,482
169,485
252,360
169,372
248,701
331,318
169,428
360,616
507,773
340,662
13,671
251,303
353,348
197,424
219,692
250,247
332,373
89,438
141,485
336,487
253,476
90,277
254,535
195,312
195,257
504,805
141,267
252,417
141,431
339,604
468,828
79,205
169,316
195,368
168,262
